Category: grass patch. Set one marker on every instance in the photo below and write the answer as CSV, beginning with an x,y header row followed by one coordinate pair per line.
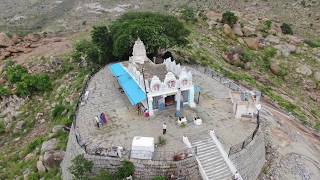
x,y
34,144
313,43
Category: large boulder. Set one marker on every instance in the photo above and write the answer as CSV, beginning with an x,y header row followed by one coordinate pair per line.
x,y
237,29
228,31
41,168
317,76
285,49
32,37
272,39
304,70
275,68
5,41
49,145
252,43
249,31
52,159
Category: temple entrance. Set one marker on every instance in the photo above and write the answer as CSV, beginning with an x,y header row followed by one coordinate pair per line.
x,y
185,96
169,100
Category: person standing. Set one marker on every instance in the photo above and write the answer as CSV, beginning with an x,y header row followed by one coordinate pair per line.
x,y
164,128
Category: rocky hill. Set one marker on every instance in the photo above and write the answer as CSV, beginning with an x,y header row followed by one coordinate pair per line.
x,y
254,52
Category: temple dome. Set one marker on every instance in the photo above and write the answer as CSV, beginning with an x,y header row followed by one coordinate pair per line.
x,y
139,54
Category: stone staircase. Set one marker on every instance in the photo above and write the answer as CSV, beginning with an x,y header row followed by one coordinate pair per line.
x,y
211,160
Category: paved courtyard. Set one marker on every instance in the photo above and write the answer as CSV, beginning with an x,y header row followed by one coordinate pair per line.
x,y
215,109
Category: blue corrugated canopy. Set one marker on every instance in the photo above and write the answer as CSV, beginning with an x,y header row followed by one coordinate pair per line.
x,y
133,91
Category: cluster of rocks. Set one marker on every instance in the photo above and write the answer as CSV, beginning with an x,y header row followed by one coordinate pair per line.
x,y
15,45
51,157
45,65
9,110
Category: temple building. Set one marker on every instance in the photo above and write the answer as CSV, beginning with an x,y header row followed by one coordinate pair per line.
x,y
154,87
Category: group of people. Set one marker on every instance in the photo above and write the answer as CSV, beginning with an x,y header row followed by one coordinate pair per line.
x,y
101,120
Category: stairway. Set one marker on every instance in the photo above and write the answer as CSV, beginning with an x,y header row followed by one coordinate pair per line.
x,y
210,159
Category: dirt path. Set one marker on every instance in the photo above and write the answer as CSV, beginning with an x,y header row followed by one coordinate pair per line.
x,y
297,148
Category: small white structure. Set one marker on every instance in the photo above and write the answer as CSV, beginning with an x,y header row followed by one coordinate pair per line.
x,y
245,103
164,84
142,147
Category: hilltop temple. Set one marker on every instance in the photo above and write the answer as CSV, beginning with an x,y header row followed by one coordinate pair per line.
x,y
154,87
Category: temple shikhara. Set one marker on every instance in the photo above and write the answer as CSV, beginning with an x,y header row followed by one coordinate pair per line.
x,y
153,87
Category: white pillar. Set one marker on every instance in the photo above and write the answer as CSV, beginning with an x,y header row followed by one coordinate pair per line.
x,y
191,97
178,102
150,104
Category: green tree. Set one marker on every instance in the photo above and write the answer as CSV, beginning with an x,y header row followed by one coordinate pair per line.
x,y
286,29
88,49
157,31
229,18
81,167
101,37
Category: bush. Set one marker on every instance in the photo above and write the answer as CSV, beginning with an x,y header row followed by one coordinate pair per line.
x,y
32,84
2,127
126,170
313,43
266,26
4,91
15,73
247,56
317,127
189,15
286,29
229,18
80,167
58,110
161,141
103,175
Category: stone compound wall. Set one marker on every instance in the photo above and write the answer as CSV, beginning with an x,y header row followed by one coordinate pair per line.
x,y
144,169
250,161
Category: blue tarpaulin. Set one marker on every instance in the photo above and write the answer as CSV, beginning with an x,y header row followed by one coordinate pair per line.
x,y
133,91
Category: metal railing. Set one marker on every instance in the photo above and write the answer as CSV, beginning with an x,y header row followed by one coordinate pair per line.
x,y
240,146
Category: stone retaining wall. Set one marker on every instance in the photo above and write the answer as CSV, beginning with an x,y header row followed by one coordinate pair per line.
x,y
144,169
250,160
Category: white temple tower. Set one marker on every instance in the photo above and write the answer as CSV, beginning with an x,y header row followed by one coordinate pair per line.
x,y
139,54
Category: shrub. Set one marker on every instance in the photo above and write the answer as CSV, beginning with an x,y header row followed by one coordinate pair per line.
x,y
58,110
286,29
33,83
2,127
229,18
247,56
4,91
126,170
266,26
103,175
317,127
313,43
80,167
188,15
15,73
162,141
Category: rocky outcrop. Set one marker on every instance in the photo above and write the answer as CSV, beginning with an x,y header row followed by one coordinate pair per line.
x,y
252,43
228,31
304,70
49,145
285,49
41,168
237,29
52,159
5,41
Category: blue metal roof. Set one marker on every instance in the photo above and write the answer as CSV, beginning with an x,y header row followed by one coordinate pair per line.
x,y
133,91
